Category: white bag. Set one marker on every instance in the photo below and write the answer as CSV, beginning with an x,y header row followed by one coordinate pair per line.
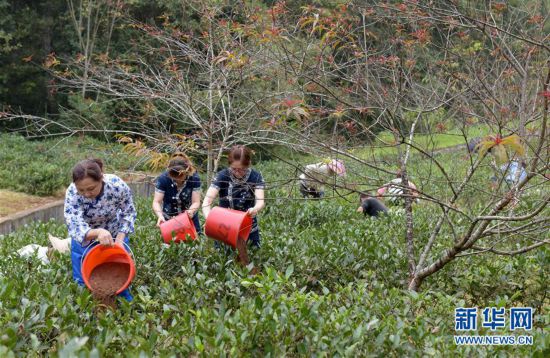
x,y
34,250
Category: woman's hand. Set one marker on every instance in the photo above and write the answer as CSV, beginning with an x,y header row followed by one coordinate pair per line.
x,y
160,220
252,212
120,238
259,205
104,237
157,207
191,213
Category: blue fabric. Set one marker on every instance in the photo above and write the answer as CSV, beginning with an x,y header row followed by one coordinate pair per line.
x,y
310,192
511,170
175,202
197,224
373,207
113,209
236,193
254,239
77,253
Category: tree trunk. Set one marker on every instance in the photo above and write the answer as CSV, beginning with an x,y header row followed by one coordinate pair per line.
x,y
415,283
51,104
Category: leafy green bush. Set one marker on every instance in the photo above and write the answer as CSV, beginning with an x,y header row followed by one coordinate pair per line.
x,y
330,285
43,167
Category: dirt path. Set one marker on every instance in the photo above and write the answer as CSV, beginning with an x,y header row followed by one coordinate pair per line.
x,y
453,148
12,202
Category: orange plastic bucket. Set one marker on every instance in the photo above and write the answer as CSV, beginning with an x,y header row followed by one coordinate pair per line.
x,y
178,228
100,255
226,225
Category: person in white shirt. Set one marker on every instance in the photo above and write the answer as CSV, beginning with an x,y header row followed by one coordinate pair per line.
x,y
315,176
393,191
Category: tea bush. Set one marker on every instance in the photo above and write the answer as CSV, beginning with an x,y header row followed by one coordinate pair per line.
x,y
330,285
43,167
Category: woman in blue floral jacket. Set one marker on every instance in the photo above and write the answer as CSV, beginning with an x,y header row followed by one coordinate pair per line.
x,y
98,209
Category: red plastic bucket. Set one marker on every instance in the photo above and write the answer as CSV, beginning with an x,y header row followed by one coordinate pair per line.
x,y
100,255
178,228
226,225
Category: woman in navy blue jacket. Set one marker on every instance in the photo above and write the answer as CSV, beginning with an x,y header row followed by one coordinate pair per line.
x,y
178,190
239,187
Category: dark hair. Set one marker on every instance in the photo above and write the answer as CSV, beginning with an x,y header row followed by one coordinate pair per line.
x,y
240,153
363,196
88,168
180,163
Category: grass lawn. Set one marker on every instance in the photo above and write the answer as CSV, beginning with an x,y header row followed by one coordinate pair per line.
x,y
384,144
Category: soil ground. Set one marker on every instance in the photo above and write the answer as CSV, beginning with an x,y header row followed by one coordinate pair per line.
x,y
12,202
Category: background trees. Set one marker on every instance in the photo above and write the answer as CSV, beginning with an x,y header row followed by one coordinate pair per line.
x,y
471,66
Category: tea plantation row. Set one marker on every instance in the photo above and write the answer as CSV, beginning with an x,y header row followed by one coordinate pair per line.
x,y
331,284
